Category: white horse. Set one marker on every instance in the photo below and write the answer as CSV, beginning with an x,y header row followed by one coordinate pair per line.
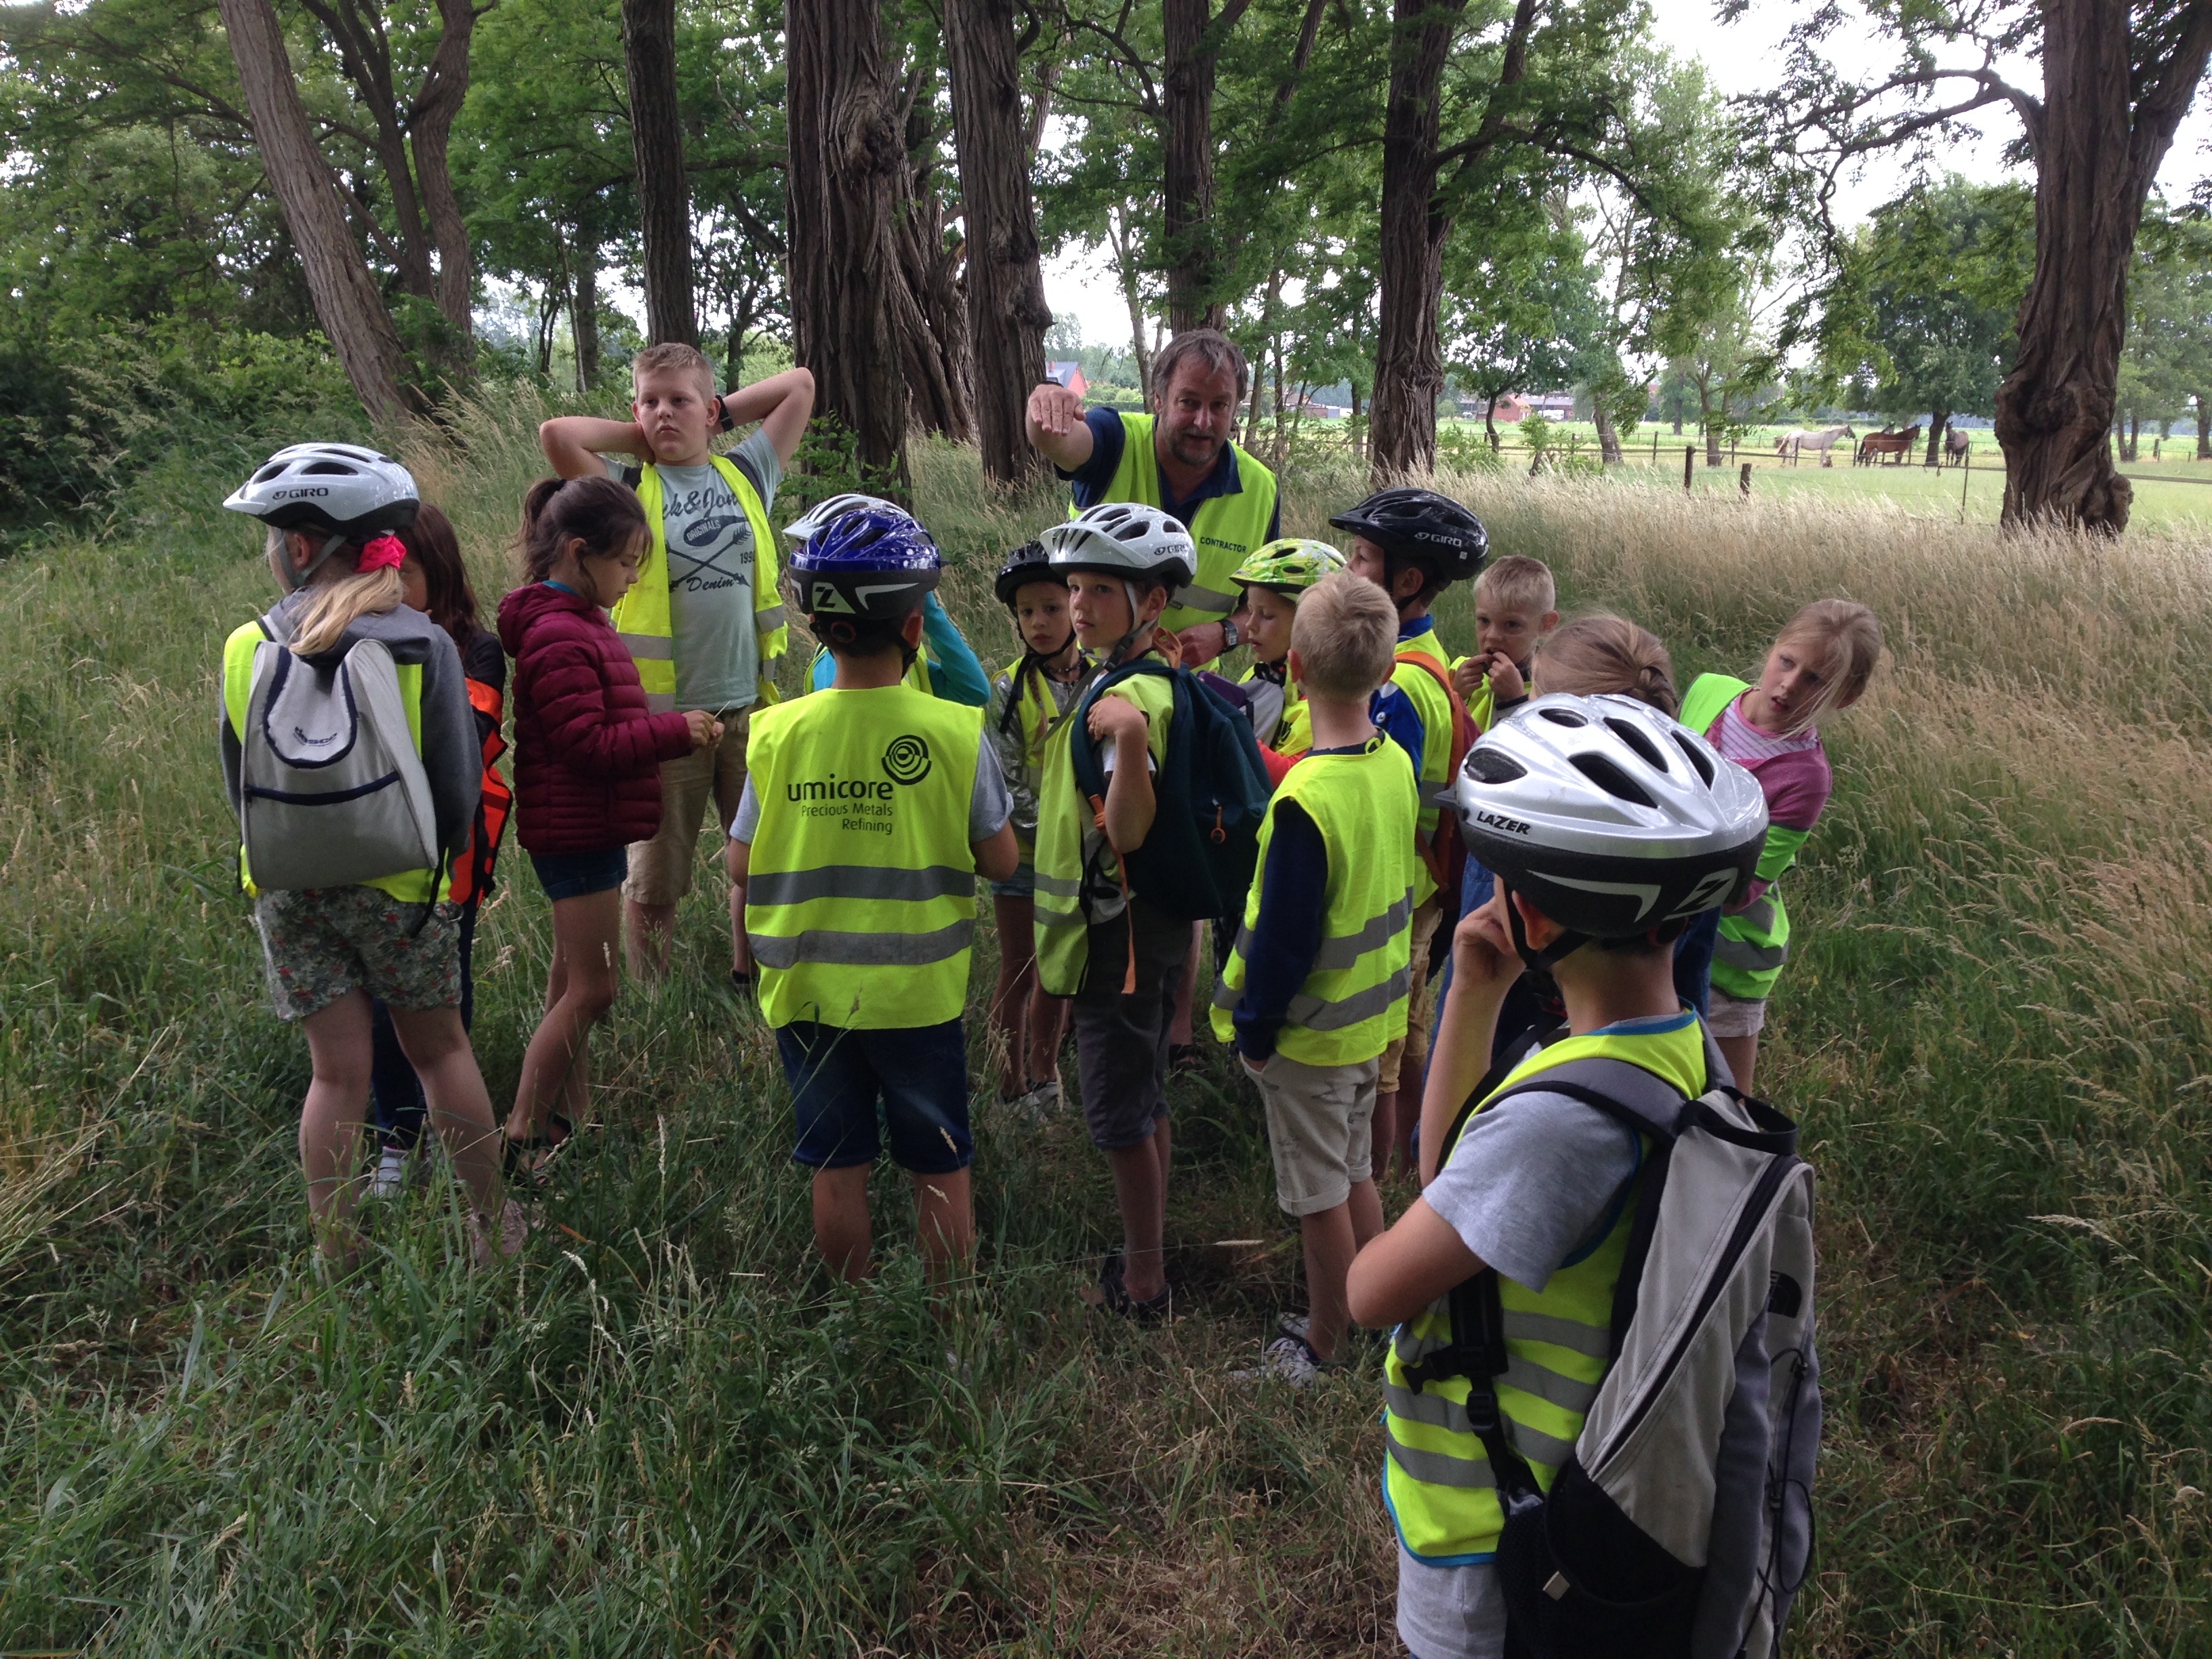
x,y
1792,444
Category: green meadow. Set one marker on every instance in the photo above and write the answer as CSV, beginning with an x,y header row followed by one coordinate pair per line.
x,y
663,1430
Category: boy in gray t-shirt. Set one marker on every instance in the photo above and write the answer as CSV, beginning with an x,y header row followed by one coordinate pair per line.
x,y
720,621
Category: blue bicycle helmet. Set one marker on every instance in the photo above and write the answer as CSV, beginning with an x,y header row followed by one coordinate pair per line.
x,y
872,563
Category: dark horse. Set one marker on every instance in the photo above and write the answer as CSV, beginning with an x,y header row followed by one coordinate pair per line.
x,y
1896,444
1955,447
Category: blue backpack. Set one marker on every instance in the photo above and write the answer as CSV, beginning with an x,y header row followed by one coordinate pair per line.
x,y
1213,789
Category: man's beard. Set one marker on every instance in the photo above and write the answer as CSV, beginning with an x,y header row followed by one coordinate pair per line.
x,y
1181,444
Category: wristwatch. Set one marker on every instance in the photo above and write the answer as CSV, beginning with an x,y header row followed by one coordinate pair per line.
x,y
722,414
1230,639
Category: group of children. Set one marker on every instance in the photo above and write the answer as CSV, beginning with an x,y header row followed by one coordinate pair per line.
x,y
1602,874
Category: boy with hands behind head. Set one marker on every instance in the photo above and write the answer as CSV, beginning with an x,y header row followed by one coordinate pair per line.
x,y
705,619
1316,986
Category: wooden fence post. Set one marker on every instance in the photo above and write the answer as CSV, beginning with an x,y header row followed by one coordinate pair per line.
x,y
1654,446
1744,482
1689,466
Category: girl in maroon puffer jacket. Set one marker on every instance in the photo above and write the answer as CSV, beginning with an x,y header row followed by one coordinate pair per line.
x,y
587,755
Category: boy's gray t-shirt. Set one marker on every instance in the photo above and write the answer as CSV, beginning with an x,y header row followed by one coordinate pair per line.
x,y
711,574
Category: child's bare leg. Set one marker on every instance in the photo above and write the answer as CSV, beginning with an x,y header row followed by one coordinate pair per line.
x,y
841,1221
1330,1245
741,950
584,937
1140,1191
460,1107
1047,1023
1179,1026
1742,1054
1382,1131
1366,1206
332,1117
1009,1001
945,1219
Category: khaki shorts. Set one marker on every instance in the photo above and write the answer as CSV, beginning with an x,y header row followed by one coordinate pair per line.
x,y
660,870
1731,1016
1318,1133
1407,1055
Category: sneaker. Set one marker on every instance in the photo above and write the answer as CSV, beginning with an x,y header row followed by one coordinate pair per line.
x,y
514,1230
1297,1325
391,1177
1111,1295
1286,1359
1040,1103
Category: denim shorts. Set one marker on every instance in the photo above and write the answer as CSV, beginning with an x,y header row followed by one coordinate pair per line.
x,y
919,1073
573,875
1021,884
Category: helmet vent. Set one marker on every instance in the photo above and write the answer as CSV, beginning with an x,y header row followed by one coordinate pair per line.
x,y
1563,717
1640,741
1605,774
328,468
1489,766
1698,763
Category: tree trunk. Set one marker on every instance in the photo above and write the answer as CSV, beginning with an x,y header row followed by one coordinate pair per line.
x,y
1936,423
2203,427
584,303
1359,441
2135,436
664,190
2096,159
1608,439
845,161
1007,312
1489,426
1122,241
430,126
347,303
1409,374
930,308
1711,427
1194,242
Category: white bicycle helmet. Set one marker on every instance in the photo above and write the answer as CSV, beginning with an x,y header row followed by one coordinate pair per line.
x,y
1608,817
341,488
825,512
1128,540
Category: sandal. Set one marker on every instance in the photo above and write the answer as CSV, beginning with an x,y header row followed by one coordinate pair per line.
x,y
1114,1296
534,1173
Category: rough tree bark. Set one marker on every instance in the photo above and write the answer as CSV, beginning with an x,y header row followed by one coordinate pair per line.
x,y
844,163
1007,312
663,189
1191,44
2103,127
1938,423
929,307
430,126
2203,427
1608,438
347,302
1409,372
584,302
1123,243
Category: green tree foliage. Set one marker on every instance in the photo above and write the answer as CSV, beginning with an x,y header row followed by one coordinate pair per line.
x,y
1919,324
2167,362
1520,309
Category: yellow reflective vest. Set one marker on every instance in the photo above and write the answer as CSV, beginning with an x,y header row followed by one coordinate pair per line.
x,y
1225,529
1079,880
1352,1005
641,616
409,886
1754,945
1437,1479
861,896
1433,705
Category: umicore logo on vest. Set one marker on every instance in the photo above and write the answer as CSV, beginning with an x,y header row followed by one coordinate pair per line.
x,y
866,805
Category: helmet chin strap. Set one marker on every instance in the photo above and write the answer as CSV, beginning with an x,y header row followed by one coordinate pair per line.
x,y
1137,627
299,579
1537,962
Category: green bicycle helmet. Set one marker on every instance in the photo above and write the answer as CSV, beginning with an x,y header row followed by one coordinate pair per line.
x,y
1288,565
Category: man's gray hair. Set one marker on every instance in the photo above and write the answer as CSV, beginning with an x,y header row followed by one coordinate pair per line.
x,y
1214,351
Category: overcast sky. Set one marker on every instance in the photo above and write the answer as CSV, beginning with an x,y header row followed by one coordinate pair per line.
x,y
1741,58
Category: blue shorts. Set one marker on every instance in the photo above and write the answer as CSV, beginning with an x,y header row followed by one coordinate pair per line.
x,y
573,875
1022,884
920,1073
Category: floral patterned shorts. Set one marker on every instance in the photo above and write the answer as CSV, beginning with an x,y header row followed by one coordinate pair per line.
x,y
322,943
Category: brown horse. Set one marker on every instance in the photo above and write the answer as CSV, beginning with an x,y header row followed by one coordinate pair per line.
x,y
1956,447
1896,444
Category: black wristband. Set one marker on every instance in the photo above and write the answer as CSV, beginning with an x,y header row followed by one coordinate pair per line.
x,y
1231,638
722,414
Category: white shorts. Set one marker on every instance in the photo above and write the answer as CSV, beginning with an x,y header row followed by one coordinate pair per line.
x,y
1727,1017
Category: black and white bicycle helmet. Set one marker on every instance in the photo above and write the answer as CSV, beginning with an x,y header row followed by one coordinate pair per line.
x,y
1421,527
1129,539
1609,817
833,507
341,488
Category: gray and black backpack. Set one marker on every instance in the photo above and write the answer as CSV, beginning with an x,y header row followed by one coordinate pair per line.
x,y
334,793
1681,1526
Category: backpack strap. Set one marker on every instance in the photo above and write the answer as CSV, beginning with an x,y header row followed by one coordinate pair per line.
x,y
633,476
1435,851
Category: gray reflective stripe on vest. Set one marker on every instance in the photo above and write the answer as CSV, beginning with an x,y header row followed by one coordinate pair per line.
x,y
1592,1339
661,702
860,881
1751,958
1052,915
768,620
1346,949
1316,1015
1436,1468
649,647
1451,1415
1759,914
820,945
1195,598
1059,886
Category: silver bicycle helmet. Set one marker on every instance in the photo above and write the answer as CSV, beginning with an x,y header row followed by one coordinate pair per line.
x,y
1128,540
830,508
1608,817
334,487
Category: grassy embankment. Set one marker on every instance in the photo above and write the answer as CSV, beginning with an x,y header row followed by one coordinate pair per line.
x,y
663,1432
